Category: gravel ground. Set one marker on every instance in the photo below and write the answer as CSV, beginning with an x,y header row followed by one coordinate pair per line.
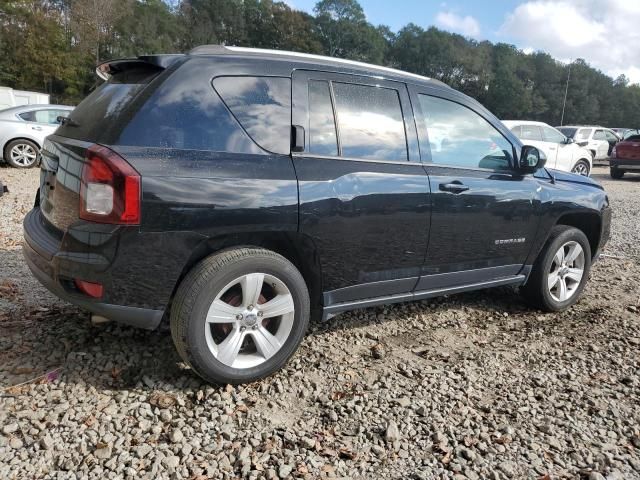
x,y
469,386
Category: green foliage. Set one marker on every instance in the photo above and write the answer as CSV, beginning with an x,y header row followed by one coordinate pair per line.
x,y
54,45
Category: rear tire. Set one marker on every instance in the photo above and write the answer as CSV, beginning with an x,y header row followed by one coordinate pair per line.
x,y
239,315
581,168
558,279
616,173
21,153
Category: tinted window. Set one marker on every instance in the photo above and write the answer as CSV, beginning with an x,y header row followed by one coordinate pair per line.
x,y
568,132
629,133
458,136
184,112
552,135
531,132
262,105
633,138
599,135
370,122
611,137
100,116
583,134
322,134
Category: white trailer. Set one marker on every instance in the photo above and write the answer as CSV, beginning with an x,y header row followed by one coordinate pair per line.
x,y
14,98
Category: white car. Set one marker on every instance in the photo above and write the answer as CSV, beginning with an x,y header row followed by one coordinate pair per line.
x,y
23,130
598,140
562,152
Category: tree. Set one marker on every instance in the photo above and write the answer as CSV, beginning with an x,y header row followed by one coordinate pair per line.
x,y
344,31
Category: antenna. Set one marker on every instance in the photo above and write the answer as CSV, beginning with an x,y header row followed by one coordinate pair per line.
x,y
566,90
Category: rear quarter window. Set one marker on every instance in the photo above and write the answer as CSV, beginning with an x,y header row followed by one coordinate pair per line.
x,y
262,105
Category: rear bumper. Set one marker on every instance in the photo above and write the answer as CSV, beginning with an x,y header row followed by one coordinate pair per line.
x,y
55,269
625,164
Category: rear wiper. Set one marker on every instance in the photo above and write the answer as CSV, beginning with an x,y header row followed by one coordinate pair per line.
x,y
67,121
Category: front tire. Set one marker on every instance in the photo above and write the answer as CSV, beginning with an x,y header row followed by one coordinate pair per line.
x,y
239,315
616,173
560,271
581,168
21,153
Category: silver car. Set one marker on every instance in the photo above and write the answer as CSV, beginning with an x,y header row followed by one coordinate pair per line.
x,y
23,129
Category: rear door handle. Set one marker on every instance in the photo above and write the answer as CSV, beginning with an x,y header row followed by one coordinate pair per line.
x,y
454,187
36,128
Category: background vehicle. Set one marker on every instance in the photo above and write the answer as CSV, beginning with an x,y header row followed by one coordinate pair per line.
x,y
218,187
23,130
625,132
625,157
598,140
15,98
562,152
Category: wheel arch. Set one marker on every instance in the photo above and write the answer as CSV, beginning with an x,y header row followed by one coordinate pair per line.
x,y
297,248
21,137
588,223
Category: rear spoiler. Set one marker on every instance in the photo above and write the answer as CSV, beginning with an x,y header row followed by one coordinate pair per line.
x,y
160,62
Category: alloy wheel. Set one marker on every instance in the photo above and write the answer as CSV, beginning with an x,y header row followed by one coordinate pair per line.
x,y
566,272
23,154
249,320
581,169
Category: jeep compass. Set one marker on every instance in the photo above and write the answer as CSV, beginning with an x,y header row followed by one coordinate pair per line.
x,y
238,192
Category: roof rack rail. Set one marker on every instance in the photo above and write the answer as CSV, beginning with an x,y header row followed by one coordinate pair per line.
x,y
222,50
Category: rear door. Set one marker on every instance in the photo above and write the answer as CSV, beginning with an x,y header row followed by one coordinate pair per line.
x,y
483,216
364,195
601,144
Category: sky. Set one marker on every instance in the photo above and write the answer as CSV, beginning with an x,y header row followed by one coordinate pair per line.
x,y
605,33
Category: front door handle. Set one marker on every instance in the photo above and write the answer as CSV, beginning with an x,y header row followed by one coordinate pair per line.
x,y
454,187
36,128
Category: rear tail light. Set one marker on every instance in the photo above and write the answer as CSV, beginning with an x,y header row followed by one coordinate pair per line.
x,y
91,289
110,188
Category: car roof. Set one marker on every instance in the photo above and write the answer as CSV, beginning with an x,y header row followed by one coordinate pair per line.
x,y
349,66
515,123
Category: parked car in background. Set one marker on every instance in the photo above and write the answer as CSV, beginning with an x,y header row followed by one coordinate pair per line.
x,y
598,140
234,191
625,132
625,157
23,130
562,152
15,98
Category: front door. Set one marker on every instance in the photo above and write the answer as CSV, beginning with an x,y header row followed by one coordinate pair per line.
x,y
364,195
564,151
483,218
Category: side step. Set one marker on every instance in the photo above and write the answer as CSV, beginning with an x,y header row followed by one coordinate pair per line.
x,y
331,310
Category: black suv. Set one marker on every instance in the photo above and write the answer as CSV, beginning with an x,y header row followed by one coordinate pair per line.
x,y
238,192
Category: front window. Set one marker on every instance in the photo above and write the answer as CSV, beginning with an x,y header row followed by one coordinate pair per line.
x,y
459,137
531,132
552,135
599,135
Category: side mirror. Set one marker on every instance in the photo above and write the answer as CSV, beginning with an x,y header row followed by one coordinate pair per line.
x,y
531,159
569,140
